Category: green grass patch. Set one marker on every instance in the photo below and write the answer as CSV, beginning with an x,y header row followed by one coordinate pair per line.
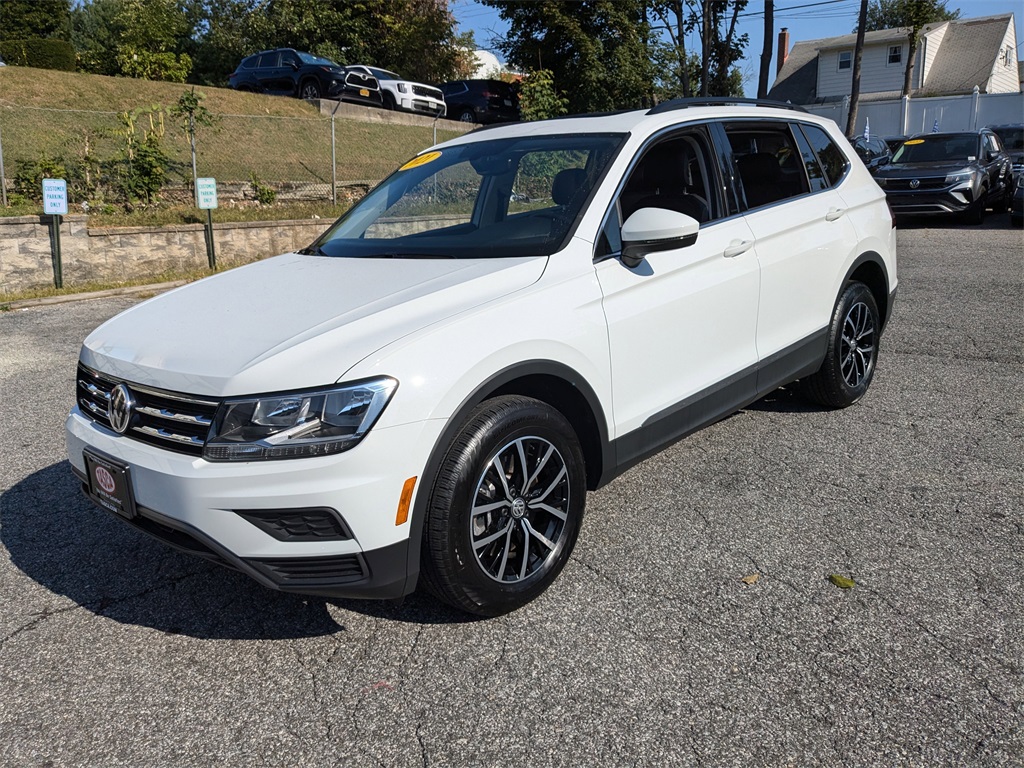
x,y
44,293
280,140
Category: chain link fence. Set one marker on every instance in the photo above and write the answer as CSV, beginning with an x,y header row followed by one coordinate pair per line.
x,y
253,157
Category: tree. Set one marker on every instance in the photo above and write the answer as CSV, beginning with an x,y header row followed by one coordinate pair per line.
x,y
150,34
597,46
22,19
712,70
912,15
538,99
94,33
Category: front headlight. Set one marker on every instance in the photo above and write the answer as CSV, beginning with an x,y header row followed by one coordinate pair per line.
x,y
959,178
292,426
403,88
881,181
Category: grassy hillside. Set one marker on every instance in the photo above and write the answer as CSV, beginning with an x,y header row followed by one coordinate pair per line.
x,y
280,140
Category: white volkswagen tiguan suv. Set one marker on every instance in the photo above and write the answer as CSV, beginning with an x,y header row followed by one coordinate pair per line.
x,y
427,392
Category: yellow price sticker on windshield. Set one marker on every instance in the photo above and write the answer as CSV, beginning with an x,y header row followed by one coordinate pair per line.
x,y
914,141
416,162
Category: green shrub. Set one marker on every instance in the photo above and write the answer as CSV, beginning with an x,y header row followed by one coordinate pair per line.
x,y
263,193
39,52
28,179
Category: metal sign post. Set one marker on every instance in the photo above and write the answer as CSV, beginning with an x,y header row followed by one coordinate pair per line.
x,y
55,204
206,199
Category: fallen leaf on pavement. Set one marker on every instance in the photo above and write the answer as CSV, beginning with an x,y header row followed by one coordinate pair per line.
x,y
751,579
843,582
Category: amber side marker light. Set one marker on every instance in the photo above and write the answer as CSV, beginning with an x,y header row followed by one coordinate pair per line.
x,y
405,501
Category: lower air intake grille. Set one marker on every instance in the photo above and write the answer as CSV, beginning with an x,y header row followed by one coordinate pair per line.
x,y
311,571
315,524
169,420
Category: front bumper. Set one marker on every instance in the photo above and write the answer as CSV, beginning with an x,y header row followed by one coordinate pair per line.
x,y
945,201
422,106
207,508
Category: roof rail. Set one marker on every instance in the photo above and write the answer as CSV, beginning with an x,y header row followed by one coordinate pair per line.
x,y
721,101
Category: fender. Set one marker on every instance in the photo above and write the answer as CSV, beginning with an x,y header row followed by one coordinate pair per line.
x,y
481,393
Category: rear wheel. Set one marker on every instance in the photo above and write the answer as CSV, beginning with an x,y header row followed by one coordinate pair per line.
x,y
506,508
852,351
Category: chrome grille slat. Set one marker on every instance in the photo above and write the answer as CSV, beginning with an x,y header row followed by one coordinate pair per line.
x,y
185,418
170,420
163,434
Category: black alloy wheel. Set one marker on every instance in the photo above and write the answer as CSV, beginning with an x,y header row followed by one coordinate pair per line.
x,y
852,351
310,89
506,507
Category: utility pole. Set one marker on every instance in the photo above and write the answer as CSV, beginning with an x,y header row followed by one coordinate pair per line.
x,y
858,51
766,51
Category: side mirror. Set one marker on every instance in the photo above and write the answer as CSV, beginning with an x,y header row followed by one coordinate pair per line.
x,y
656,229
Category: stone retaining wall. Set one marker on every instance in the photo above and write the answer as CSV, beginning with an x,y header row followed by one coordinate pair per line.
x,y
115,254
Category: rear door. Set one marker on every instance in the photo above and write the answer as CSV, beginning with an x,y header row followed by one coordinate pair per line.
x,y
800,225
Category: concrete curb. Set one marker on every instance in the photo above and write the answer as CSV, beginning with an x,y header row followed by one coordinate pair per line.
x,y
126,291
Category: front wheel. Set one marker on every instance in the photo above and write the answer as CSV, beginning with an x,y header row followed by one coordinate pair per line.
x,y
852,351
506,508
310,90
467,116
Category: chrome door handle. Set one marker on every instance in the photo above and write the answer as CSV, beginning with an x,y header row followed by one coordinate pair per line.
x,y
834,213
736,247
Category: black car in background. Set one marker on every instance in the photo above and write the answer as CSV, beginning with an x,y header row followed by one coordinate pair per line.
x,y
287,72
873,152
948,173
481,101
1012,136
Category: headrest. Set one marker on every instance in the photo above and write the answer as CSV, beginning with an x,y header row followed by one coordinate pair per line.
x,y
762,166
566,184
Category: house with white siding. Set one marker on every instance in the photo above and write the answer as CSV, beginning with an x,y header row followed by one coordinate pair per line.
x,y
952,58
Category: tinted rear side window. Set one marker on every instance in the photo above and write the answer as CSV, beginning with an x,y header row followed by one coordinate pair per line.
x,y
832,159
250,63
815,173
767,162
269,59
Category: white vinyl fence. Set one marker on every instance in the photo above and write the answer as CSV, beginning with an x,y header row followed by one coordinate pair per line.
x,y
906,116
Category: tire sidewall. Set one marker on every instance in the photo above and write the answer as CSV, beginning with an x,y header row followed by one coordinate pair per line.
x,y
468,459
853,294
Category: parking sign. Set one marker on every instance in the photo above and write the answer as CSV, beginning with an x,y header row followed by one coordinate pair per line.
x,y
206,193
55,197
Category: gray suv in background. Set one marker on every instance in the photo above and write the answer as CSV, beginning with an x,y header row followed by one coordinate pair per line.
x,y
962,173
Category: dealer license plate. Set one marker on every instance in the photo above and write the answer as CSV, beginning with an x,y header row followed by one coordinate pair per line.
x,y
110,484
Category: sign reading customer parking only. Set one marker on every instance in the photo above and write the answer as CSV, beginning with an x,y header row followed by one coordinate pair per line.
x,y
55,197
206,194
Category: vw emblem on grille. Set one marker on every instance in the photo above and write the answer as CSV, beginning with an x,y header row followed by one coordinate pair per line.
x,y
121,406
915,183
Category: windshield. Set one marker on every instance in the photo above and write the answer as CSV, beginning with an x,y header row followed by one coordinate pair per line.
x,y
957,147
383,74
499,198
309,58
1012,138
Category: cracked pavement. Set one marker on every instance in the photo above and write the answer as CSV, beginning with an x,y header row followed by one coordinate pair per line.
x,y
649,650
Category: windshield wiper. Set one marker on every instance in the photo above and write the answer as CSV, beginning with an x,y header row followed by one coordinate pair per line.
x,y
404,255
312,250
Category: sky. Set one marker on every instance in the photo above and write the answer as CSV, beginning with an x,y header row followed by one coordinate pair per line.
x,y
806,20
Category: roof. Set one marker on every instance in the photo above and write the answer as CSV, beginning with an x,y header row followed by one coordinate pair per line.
x,y
967,55
967,52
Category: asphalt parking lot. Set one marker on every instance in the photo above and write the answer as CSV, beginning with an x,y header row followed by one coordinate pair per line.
x,y
649,650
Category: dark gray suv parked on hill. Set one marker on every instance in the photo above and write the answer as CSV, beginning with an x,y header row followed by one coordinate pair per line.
x,y
287,72
948,173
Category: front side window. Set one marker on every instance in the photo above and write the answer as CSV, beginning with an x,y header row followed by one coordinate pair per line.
x,y
845,59
498,198
767,162
895,54
675,174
